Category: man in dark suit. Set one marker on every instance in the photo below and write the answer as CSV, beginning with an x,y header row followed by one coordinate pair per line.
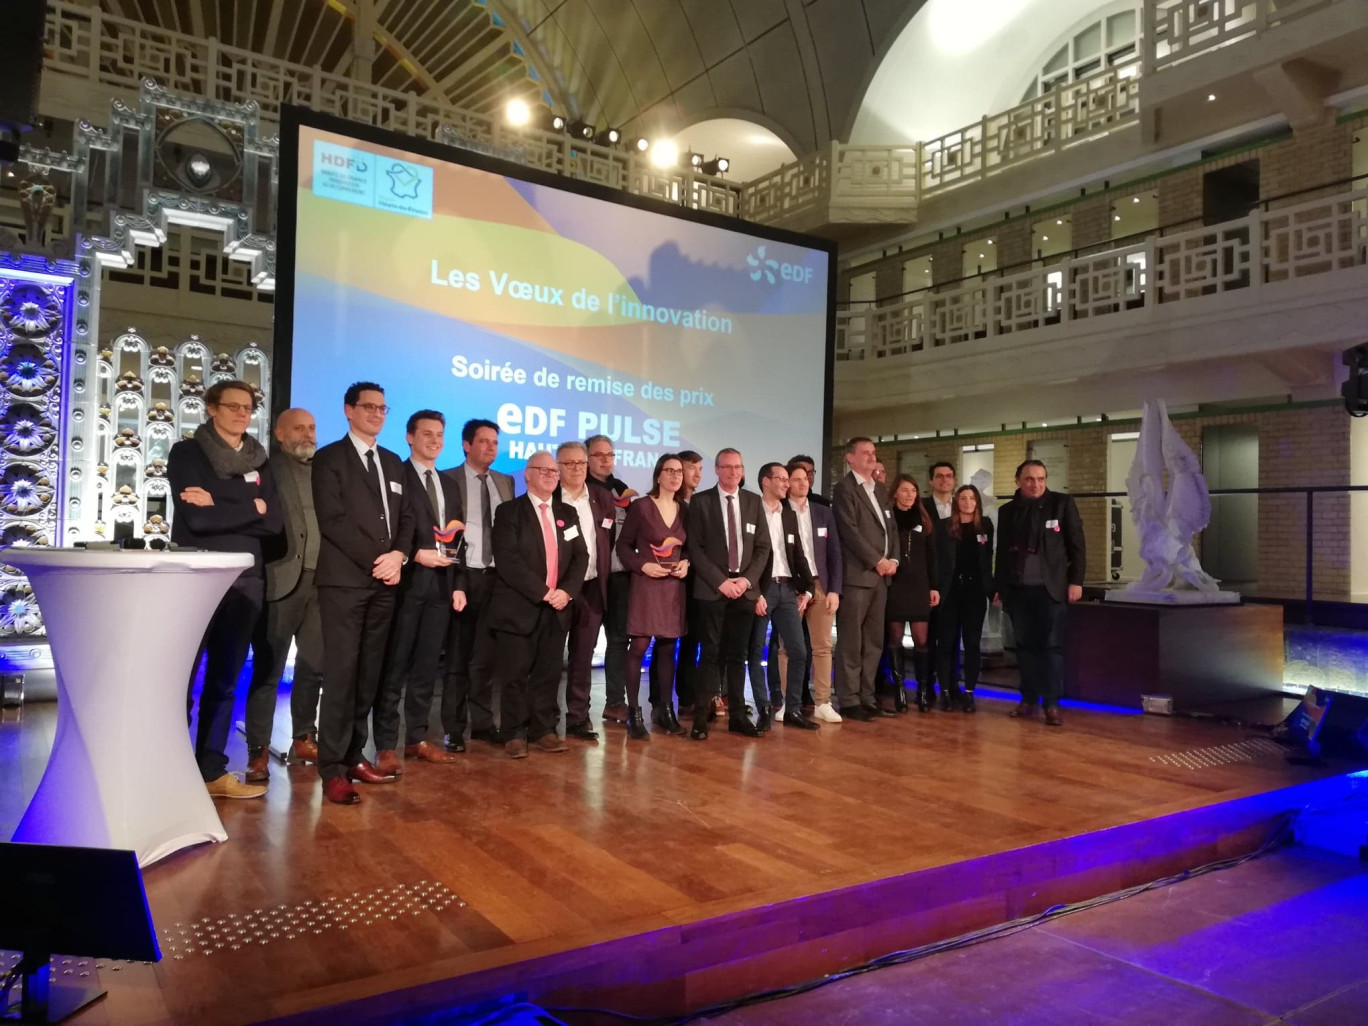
x,y
729,547
822,549
364,523
809,465
467,696
597,517
864,521
430,587
291,606
602,462
224,500
1041,561
540,557
785,591
940,508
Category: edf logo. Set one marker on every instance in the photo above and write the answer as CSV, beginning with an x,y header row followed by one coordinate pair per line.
x,y
768,268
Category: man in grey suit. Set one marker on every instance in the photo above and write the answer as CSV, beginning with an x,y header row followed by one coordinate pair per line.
x,y
291,612
864,521
467,696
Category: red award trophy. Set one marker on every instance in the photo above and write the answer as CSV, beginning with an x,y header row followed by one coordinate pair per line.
x,y
665,551
446,538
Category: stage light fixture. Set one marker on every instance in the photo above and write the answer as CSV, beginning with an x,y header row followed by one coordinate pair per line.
x,y
609,137
664,153
553,122
581,129
641,144
716,166
694,160
517,113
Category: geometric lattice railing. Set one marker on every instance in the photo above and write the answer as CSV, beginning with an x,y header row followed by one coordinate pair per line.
x,y
1177,30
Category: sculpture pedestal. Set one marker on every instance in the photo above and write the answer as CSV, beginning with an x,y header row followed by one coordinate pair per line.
x,y
1200,655
1173,598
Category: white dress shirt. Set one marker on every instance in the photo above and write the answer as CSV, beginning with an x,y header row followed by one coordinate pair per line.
x,y
423,473
943,509
475,541
584,508
867,484
805,535
361,449
774,518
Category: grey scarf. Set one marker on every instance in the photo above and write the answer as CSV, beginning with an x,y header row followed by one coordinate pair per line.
x,y
227,461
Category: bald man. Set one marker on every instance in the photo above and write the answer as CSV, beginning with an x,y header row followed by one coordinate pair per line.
x,y
291,613
540,559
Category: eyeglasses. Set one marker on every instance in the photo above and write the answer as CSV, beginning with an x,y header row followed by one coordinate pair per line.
x,y
371,407
544,470
576,464
602,455
236,407
671,470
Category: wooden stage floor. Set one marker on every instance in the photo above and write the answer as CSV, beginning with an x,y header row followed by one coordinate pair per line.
x,y
490,862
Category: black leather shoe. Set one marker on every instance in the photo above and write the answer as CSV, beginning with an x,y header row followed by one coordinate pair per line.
x,y
1052,717
700,730
858,713
969,706
636,724
899,697
669,722
492,736
738,726
581,730
946,703
1024,710
455,743
876,710
795,718
926,695
764,720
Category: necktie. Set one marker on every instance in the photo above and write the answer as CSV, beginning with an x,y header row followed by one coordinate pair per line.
x,y
549,540
432,498
733,542
374,472
486,520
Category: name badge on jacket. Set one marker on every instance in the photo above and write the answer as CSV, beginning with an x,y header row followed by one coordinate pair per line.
x,y
750,528
252,477
917,528
1052,525
607,524
396,488
821,532
983,539
789,538
571,533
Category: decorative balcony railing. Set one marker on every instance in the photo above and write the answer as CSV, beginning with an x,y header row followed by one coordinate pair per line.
x,y
1066,116
1315,237
1176,30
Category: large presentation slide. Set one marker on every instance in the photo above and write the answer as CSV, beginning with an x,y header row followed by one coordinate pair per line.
x,y
551,309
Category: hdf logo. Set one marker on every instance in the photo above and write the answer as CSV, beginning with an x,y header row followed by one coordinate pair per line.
x,y
767,268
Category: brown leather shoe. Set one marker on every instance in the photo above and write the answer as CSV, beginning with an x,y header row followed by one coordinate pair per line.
x,y
614,713
550,743
339,792
1024,711
304,750
426,751
515,748
1052,717
387,762
258,766
368,774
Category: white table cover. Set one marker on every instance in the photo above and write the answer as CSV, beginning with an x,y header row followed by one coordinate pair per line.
x,y
122,772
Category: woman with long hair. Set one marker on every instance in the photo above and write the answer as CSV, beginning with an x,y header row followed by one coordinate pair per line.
x,y
651,546
966,587
911,594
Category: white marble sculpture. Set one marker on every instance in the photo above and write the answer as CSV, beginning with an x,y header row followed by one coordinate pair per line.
x,y
1167,519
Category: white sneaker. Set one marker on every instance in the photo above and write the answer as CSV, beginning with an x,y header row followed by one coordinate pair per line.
x,y
826,713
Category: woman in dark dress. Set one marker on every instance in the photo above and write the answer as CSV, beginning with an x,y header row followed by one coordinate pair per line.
x,y
910,594
966,587
651,546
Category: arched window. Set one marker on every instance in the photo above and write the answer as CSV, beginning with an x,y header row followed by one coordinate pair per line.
x,y
1108,42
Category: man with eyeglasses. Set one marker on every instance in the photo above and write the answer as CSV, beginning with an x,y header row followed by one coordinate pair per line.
x,y
539,560
597,518
467,693
364,523
602,460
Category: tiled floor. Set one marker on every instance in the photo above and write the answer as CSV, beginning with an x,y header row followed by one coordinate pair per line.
x,y
1281,939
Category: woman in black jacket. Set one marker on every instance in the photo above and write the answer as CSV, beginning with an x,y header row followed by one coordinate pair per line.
x,y
911,593
966,587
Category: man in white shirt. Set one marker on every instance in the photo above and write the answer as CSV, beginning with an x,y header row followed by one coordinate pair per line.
x,y
822,550
785,591
597,517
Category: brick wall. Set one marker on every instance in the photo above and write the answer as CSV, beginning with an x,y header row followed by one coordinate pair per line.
x,y
1312,156
1092,221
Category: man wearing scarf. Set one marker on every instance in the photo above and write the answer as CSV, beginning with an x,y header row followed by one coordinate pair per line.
x,y
1041,560
224,499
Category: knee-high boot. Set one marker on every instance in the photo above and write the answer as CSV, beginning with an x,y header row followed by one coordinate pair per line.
x,y
897,670
926,691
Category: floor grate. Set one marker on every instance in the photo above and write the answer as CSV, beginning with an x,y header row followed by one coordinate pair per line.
x,y
1220,755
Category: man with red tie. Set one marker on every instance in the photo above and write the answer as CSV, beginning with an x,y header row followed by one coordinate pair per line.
x,y
540,560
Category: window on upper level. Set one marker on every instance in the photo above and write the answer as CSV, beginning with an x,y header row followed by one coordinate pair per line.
x,y
916,274
1135,215
1052,236
980,257
1110,41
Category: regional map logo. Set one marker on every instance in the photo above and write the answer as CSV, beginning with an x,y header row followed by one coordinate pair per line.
x,y
371,180
404,182
772,271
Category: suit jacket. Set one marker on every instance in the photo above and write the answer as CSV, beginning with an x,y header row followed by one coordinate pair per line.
x,y
826,548
503,485
605,511
707,542
284,553
863,540
424,519
799,570
947,555
1062,548
232,523
520,564
351,519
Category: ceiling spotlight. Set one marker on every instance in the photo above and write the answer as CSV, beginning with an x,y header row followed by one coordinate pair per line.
x,y
1136,199
990,242
1116,217
1211,97
517,113
553,122
608,137
664,153
1059,220
694,160
1044,238
716,166
641,144
581,129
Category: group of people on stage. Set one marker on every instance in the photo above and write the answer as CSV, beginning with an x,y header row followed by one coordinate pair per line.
x,y
388,575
